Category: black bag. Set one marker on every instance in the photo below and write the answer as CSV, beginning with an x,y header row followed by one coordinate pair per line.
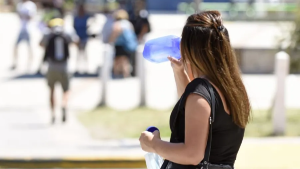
x,y
57,49
205,162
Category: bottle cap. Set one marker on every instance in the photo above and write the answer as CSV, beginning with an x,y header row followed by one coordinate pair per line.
x,y
152,129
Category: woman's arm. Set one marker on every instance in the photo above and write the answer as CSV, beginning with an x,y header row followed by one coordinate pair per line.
x,y
191,152
116,31
182,79
144,30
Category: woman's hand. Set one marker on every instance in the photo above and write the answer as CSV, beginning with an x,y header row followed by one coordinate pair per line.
x,y
148,139
176,64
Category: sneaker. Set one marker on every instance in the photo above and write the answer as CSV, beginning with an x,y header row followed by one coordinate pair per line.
x,y
64,116
13,67
52,120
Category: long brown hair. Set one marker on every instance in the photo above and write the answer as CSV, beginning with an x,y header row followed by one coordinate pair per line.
x,y
205,44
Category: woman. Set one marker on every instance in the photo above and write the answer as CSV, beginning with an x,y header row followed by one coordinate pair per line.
x,y
81,27
141,24
125,43
207,56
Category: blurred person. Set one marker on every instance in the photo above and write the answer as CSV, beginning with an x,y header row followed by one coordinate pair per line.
x,y
107,27
81,27
59,5
208,69
49,12
26,10
141,24
56,44
124,39
108,12
123,4
138,16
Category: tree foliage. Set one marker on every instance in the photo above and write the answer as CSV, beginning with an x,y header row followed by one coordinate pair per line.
x,y
294,47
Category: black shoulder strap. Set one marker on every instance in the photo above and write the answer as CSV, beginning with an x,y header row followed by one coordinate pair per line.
x,y
211,120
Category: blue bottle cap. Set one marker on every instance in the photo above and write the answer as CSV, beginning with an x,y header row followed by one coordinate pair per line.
x,y
151,129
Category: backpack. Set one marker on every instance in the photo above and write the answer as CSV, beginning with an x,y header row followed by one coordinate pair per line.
x,y
57,49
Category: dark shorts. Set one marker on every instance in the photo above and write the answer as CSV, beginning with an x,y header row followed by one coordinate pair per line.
x,y
120,51
61,77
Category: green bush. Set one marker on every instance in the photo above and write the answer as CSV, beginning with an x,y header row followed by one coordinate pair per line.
x,y
294,61
294,47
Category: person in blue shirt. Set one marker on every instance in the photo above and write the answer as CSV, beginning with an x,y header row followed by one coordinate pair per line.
x,y
125,41
81,27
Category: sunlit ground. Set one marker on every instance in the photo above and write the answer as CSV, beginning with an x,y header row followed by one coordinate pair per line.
x,y
113,122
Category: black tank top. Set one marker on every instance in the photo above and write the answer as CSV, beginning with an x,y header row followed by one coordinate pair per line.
x,y
226,135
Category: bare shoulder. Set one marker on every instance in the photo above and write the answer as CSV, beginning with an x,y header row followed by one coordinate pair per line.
x,y
197,104
117,26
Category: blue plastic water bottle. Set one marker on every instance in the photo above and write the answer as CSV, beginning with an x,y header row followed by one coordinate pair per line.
x,y
158,50
153,161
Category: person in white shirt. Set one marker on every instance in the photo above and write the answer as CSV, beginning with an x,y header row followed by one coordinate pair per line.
x,y
26,10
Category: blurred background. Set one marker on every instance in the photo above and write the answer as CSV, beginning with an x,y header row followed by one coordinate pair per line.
x,y
94,117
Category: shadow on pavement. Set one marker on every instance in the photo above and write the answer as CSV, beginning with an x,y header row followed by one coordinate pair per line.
x,y
117,147
31,126
39,75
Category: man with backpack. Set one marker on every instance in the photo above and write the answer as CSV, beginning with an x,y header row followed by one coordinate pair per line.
x,y
56,44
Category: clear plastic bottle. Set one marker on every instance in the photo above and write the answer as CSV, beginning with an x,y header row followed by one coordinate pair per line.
x,y
157,50
153,161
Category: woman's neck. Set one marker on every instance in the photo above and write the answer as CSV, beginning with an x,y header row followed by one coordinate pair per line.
x,y
199,74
